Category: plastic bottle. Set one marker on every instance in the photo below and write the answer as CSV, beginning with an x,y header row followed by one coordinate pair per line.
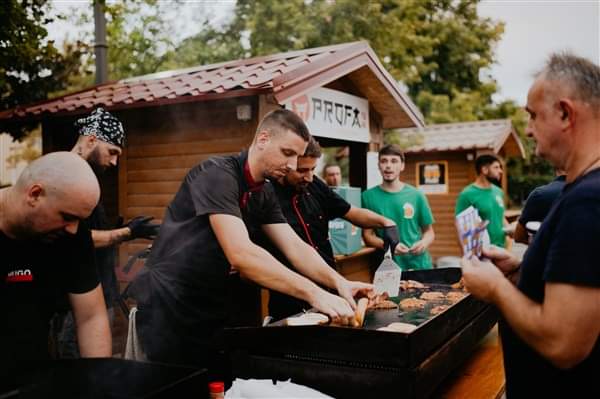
x,y
216,390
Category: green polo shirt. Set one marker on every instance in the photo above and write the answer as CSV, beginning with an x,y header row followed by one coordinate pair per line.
x,y
409,209
489,202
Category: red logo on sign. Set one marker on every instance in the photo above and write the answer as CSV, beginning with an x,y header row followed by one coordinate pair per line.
x,y
301,107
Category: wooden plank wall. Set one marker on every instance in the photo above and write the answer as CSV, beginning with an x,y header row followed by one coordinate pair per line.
x,y
461,173
163,144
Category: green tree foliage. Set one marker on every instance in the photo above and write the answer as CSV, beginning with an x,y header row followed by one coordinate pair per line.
x,y
31,67
139,33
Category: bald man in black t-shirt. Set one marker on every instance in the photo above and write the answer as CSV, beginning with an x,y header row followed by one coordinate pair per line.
x,y
47,255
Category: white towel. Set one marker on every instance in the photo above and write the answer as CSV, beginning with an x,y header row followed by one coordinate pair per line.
x,y
133,349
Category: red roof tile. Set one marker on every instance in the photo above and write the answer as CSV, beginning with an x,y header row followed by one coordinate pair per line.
x,y
281,74
490,134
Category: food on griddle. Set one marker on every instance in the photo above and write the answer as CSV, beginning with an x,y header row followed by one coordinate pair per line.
x,y
307,319
386,304
412,304
380,301
438,309
399,327
410,284
361,309
455,296
459,285
432,296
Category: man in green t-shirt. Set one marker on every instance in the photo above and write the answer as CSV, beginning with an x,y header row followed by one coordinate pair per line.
x,y
485,196
406,206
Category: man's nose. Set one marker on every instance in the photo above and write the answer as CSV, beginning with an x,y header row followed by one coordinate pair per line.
x,y
114,160
308,177
71,227
292,163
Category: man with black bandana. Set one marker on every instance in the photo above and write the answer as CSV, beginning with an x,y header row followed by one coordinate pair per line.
x,y
221,209
100,143
308,205
485,196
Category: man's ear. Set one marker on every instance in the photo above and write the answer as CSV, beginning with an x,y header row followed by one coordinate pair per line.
x,y
402,165
91,141
35,192
567,111
262,139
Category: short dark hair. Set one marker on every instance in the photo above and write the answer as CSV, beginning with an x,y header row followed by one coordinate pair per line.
x,y
391,149
330,165
485,160
281,120
313,149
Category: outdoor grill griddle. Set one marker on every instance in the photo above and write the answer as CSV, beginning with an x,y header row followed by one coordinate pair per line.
x,y
350,362
112,378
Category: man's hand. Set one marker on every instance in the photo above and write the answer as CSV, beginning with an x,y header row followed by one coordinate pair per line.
x,y
401,249
338,309
504,260
141,227
350,289
390,238
481,278
418,248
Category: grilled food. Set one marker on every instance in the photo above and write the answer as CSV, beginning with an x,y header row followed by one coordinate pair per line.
x,y
438,309
410,284
412,304
455,296
432,296
386,304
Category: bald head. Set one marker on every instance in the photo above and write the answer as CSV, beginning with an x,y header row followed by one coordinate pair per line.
x,y
62,175
52,195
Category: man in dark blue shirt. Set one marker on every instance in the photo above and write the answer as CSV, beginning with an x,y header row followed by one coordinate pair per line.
x,y
538,205
551,318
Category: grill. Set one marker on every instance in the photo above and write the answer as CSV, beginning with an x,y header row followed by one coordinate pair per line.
x,y
111,378
351,362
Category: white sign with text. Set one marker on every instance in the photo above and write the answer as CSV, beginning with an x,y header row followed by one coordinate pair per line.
x,y
333,114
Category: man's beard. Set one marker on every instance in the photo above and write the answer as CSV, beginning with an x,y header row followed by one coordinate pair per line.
x,y
94,162
497,182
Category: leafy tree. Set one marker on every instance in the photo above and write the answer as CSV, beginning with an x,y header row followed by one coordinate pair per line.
x,y
31,67
139,33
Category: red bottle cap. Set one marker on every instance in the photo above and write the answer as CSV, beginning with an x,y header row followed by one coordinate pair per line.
x,y
216,387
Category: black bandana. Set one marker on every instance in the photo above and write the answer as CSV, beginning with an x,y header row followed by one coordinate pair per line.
x,y
102,125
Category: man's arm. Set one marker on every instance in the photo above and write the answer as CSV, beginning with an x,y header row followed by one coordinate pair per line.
x,y
563,329
521,234
107,238
371,239
256,264
308,262
366,218
425,241
91,319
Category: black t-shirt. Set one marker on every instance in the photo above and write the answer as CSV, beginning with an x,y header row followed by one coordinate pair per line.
x,y
35,277
565,250
182,289
540,201
105,258
308,213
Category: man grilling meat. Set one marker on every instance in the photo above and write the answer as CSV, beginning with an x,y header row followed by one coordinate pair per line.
x,y
309,204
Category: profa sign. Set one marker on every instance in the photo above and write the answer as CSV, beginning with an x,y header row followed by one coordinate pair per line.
x,y
333,114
